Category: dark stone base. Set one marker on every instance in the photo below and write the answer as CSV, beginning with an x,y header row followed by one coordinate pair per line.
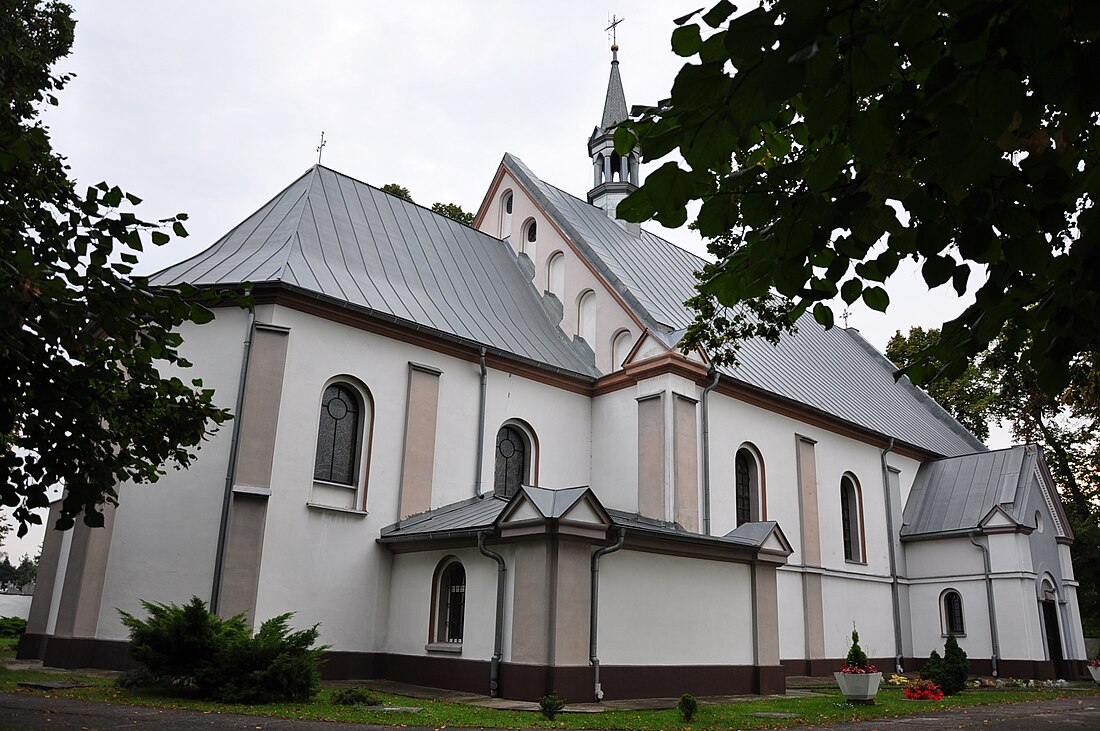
x,y
525,682
1023,669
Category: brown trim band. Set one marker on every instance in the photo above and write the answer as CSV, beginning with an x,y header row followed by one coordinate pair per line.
x,y
1024,669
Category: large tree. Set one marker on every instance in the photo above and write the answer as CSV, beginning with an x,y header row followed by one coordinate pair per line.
x,y
83,343
830,140
1001,386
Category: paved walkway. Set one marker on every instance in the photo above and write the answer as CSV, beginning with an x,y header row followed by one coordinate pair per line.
x,y
26,711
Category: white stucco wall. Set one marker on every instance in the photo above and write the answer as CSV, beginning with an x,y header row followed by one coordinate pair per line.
x,y
690,611
866,604
166,533
928,620
615,449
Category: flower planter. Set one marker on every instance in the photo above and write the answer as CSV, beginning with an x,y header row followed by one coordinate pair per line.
x,y
1095,672
859,688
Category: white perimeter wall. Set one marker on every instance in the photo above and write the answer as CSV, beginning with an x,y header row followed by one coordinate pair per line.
x,y
665,610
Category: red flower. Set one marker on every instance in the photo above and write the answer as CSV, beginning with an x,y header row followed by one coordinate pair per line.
x,y
923,690
858,669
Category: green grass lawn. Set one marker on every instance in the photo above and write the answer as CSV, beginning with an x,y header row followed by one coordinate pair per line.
x,y
7,647
820,709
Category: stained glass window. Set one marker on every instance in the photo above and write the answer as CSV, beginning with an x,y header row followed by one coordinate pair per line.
x,y
743,490
849,517
953,612
511,461
453,596
337,436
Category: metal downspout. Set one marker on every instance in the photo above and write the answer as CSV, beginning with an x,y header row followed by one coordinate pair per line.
x,y
989,600
593,620
706,451
498,638
480,426
895,590
231,469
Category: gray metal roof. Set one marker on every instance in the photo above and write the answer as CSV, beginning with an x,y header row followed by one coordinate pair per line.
x,y
474,515
332,235
834,371
614,105
954,495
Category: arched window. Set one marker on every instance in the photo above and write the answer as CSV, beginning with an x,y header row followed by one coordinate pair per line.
x,y
529,235
506,214
620,348
449,601
951,613
747,482
851,518
555,274
338,436
514,459
586,317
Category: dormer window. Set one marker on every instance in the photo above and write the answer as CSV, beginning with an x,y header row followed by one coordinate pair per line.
x,y
506,214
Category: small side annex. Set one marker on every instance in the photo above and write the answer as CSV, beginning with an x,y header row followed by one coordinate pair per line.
x,y
560,593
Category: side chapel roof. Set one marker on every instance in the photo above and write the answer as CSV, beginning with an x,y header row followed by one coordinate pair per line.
x,y
834,371
334,237
959,495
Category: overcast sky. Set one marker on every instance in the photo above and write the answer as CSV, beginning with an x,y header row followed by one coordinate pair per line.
x,y
211,108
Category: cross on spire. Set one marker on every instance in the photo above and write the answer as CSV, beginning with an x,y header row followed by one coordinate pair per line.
x,y
845,315
613,27
320,147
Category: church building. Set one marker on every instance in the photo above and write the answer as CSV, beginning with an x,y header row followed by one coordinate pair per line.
x,y
480,458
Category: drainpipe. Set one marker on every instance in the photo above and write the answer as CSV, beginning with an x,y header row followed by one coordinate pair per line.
x,y
480,426
895,590
706,451
498,639
989,600
594,618
231,469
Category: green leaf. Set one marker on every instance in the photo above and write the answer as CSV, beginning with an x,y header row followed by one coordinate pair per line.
x,y
826,166
685,18
937,270
718,14
823,314
686,40
851,290
160,238
636,207
876,298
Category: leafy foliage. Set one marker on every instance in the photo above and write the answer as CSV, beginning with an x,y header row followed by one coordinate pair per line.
x,y
830,140
969,397
550,705
454,212
950,671
82,342
189,647
398,190
16,577
688,707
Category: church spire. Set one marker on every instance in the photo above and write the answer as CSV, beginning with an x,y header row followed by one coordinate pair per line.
x,y
614,176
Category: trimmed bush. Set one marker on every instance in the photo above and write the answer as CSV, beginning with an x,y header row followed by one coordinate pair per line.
x,y
187,647
12,626
551,705
687,707
354,697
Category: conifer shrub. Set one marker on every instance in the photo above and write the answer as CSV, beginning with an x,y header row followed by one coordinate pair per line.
x,y
354,697
550,705
950,671
687,707
12,626
189,648
857,661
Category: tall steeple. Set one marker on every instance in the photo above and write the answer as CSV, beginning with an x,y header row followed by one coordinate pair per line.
x,y
614,176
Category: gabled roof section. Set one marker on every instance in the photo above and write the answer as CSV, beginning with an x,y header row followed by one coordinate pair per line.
x,y
330,235
833,371
987,491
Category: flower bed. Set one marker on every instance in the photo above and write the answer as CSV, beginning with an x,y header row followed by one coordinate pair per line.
x,y
923,690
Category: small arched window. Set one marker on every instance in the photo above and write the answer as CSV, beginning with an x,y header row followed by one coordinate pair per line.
x,y
951,612
449,602
747,493
338,436
555,274
620,348
851,519
506,214
514,457
586,317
